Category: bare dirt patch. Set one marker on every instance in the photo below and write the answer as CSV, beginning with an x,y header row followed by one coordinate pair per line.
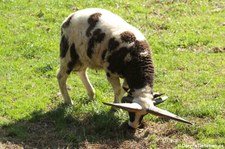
x,y
44,131
43,135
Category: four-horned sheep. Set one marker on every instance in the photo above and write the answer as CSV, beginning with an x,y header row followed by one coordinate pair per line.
x,y
98,39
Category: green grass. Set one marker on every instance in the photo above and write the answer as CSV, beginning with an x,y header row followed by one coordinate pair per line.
x,y
182,35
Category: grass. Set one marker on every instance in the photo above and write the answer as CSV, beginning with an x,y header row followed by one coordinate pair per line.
x,y
183,36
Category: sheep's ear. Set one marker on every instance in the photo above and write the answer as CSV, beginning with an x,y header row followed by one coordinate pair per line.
x,y
130,107
160,100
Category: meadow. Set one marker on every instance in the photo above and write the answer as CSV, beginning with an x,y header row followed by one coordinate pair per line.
x,y
187,38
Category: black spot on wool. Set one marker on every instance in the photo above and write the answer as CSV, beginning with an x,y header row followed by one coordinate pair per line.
x,y
97,37
127,37
74,59
139,71
67,22
92,21
113,44
64,46
116,61
142,46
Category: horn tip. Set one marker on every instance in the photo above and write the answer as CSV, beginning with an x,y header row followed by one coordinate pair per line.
x,y
190,123
164,98
106,103
185,121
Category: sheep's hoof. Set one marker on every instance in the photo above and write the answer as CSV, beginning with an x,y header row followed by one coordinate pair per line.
x,y
91,99
69,103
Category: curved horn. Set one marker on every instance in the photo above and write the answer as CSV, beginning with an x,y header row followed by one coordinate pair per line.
x,y
160,100
163,113
156,94
131,107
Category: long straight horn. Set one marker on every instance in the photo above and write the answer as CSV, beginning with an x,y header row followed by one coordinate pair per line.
x,y
163,113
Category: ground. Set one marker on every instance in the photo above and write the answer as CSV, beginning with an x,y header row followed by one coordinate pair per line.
x,y
43,134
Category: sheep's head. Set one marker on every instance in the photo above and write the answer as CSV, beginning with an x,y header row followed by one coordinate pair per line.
x,y
138,108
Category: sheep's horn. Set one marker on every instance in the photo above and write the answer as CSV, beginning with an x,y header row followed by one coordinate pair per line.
x,y
163,113
131,107
135,107
159,100
156,94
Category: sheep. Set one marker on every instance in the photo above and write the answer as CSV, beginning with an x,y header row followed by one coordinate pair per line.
x,y
99,39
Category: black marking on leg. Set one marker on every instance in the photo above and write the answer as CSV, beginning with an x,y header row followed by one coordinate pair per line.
x,y
74,59
141,118
97,37
64,46
132,116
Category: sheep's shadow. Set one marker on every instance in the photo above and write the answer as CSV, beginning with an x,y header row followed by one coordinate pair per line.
x,y
57,129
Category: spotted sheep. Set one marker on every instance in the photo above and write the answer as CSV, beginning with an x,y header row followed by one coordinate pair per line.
x,y
98,39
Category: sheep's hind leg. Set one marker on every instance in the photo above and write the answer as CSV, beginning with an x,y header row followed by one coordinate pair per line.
x,y
87,84
62,77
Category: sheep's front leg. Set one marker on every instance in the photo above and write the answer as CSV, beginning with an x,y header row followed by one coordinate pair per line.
x,y
62,77
87,84
115,83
